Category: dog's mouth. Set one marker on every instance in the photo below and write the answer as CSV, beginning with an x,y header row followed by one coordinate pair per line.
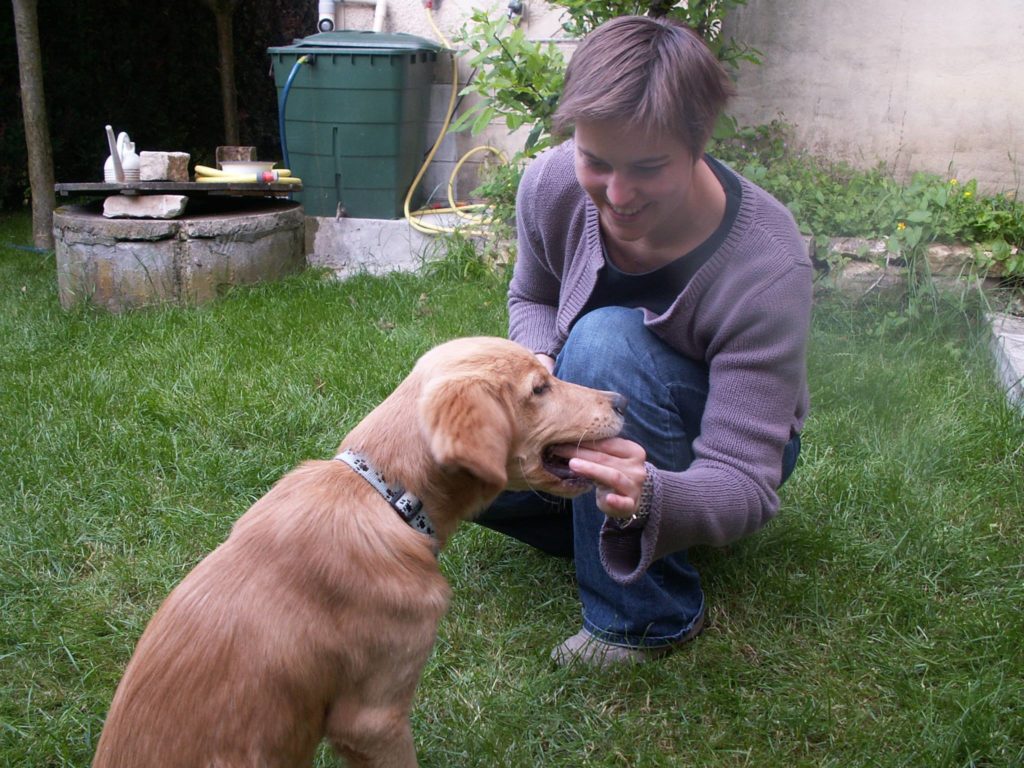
x,y
558,466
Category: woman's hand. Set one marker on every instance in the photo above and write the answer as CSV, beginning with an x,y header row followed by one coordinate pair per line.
x,y
617,467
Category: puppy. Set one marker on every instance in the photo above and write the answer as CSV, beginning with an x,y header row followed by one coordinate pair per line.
x,y
315,617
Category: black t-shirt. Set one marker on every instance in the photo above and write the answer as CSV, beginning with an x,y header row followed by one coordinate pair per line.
x,y
656,290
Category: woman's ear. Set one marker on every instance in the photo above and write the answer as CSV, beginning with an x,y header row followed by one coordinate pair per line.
x,y
467,425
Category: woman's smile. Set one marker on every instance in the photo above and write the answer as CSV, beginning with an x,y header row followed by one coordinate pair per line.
x,y
626,215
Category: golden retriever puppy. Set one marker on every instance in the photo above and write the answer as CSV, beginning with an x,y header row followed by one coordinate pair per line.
x,y
316,616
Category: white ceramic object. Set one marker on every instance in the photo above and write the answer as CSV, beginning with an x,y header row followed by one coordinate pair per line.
x,y
123,164
243,167
112,170
130,161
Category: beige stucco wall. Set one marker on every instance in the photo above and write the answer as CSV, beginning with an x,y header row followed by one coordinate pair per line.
x,y
449,16
919,85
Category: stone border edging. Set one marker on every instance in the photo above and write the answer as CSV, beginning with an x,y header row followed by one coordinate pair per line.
x,y
866,265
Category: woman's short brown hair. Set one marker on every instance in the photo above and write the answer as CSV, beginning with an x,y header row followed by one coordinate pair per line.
x,y
655,74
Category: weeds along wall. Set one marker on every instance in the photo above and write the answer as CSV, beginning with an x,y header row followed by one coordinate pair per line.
x,y
919,85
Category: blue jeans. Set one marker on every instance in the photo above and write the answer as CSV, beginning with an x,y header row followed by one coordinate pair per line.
x,y
611,349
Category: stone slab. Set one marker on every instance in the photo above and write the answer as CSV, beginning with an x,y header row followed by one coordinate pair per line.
x,y
144,206
857,278
1007,347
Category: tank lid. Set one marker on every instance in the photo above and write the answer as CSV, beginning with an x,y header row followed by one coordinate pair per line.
x,y
359,41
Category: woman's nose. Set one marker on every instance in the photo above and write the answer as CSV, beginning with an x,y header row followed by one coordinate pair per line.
x,y
618,190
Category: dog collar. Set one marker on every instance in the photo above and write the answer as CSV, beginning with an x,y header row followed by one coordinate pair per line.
x,y
408,507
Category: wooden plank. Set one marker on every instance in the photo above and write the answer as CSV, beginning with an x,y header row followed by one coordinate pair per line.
x,y
167,187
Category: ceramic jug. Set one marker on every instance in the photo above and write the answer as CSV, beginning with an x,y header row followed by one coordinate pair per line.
x,y
123,161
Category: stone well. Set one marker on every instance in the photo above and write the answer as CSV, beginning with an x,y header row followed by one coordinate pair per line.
x,y
121,264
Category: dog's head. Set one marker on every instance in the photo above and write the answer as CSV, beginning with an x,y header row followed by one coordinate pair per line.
x,y
488,406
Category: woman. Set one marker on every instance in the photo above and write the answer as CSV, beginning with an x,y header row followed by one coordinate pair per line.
x,y
647,267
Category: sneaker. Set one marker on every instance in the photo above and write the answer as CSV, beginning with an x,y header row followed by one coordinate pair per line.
x,y
584,648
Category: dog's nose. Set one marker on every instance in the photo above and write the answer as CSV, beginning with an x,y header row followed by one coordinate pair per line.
x,y
619,403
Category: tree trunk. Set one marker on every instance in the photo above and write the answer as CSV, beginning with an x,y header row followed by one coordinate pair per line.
x,y
224,11
37,130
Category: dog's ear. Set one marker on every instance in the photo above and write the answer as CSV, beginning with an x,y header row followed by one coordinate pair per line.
x,y
467,425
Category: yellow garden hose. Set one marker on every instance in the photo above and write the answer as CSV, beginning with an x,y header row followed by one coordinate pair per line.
x,y
207,174
477,221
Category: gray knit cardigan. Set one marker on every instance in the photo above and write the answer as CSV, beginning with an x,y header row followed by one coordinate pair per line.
x,y
745,313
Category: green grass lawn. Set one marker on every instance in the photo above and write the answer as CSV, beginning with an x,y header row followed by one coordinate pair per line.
x,y
876,622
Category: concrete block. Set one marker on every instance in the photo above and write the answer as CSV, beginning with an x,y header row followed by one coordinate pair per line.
x,y
163,166
1008,352
377,246
144,206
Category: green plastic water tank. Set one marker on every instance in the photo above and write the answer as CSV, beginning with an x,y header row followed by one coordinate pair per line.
x,y
355,119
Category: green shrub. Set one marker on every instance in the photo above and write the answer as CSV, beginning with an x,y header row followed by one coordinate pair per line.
x,y
520,80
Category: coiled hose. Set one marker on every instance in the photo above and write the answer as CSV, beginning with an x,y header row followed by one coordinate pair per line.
x,y
471,213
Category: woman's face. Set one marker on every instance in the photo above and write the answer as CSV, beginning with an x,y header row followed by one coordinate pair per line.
x,y
642,185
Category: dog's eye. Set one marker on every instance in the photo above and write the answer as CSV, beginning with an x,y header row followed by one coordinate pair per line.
x,y
540,389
